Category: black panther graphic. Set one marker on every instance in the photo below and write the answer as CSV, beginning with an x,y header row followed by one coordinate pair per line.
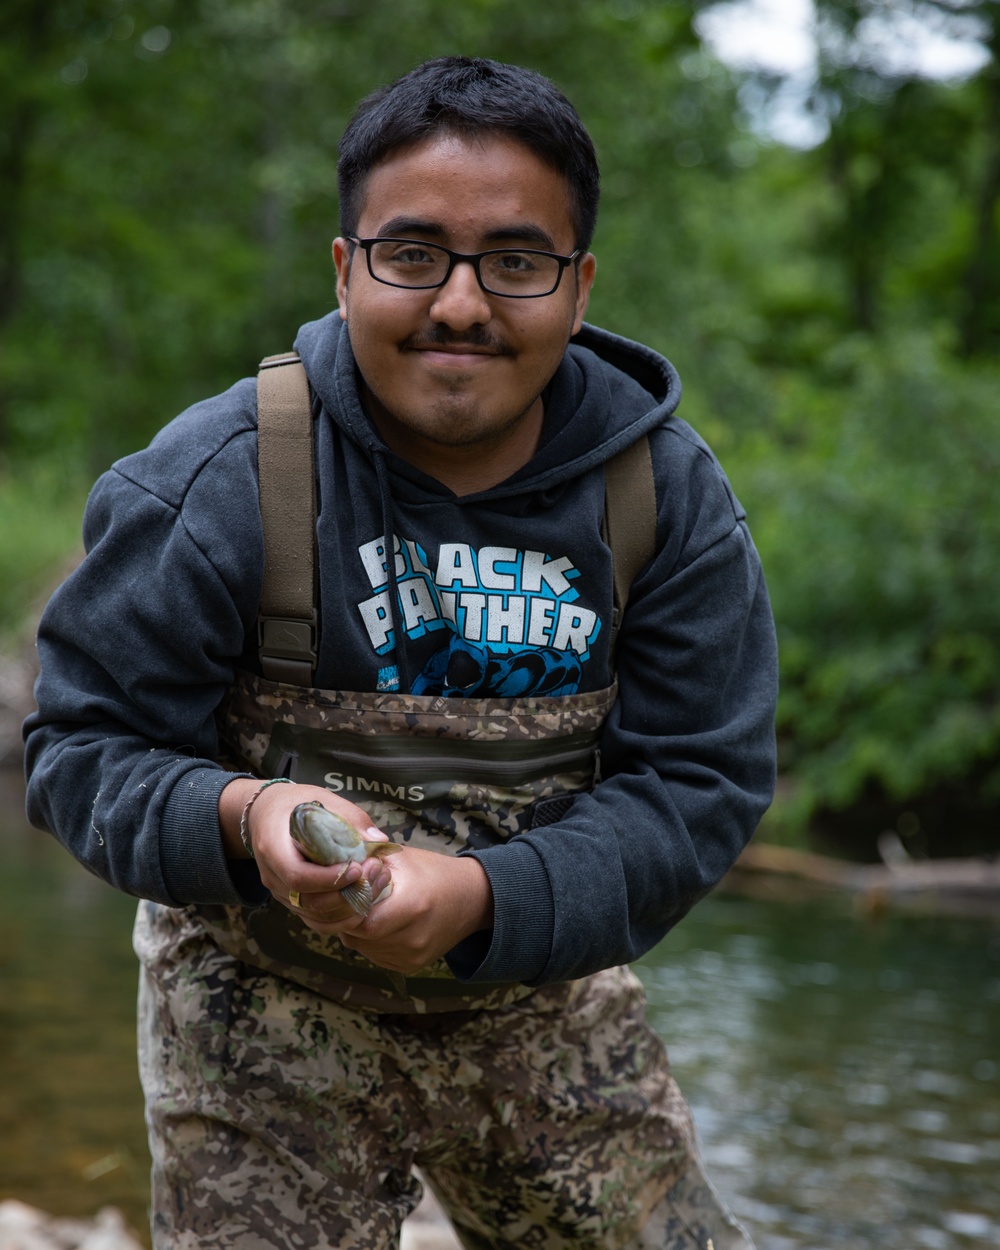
x,y
466,670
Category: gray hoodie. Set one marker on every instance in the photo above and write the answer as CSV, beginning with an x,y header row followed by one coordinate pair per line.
x,y
139,645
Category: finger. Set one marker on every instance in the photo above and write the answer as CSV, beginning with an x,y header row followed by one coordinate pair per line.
x,y
327,913
379,874
313,879
338,924
334,909
325,889
330,905
382,895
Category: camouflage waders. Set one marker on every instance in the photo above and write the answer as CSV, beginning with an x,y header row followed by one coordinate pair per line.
x,y
291,1086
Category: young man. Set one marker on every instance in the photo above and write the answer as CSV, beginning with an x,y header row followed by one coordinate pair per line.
x,y
563,796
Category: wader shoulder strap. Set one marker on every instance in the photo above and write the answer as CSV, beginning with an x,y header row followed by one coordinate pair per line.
x,y
629,520
287,620
286,626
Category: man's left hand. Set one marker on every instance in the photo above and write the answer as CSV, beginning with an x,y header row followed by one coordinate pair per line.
x,y
436,901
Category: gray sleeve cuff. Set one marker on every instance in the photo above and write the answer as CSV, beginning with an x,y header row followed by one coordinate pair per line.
x,y
520,944
194,866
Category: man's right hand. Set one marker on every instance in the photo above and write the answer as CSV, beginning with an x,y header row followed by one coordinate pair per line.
x,y
284,870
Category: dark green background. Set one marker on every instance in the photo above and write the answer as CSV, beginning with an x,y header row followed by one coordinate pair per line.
x,y
167,202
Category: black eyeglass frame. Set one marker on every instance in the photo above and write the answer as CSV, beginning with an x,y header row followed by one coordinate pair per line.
x,y
472,258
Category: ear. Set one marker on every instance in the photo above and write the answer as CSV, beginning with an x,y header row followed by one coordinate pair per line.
x,y
585,272
342,252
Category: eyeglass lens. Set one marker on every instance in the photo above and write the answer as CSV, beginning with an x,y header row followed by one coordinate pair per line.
x,y
412,264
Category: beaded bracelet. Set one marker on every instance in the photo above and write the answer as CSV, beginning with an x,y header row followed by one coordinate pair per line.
x,y
244,825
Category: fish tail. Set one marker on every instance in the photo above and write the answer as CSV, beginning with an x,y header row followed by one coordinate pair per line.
x,y
359,895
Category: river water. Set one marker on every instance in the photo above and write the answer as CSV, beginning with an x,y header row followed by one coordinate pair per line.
x,y
844,1073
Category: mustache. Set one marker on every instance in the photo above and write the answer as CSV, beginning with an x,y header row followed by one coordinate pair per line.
x,y
443,336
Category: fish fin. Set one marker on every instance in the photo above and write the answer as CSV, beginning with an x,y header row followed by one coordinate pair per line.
x,y
378,849
385,894
359,895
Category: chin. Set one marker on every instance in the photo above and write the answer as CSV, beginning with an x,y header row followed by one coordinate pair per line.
x,y
456,431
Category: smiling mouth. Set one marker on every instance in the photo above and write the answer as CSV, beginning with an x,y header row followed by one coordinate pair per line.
x,y
457,349
452,357
453,350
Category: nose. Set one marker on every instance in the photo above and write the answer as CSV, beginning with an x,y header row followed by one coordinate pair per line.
x,y
461,302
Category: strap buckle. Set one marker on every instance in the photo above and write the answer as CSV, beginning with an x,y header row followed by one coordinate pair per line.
x,y
287,639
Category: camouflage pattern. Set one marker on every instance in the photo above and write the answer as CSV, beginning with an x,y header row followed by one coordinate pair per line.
x,y
280,1118
444,774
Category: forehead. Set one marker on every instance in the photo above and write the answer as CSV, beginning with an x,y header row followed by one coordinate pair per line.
x,y
468,188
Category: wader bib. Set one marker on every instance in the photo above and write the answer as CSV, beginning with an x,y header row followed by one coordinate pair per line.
x,y
584,1137
443,774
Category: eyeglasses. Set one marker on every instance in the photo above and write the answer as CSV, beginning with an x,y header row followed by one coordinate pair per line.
x,y
517,273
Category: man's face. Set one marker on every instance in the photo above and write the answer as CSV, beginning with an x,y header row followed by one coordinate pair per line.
x,y
453,373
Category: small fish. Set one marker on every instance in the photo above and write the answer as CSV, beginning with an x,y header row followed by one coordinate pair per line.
x,y
326,838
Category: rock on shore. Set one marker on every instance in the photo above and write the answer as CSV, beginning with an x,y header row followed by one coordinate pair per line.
x,y
26,1228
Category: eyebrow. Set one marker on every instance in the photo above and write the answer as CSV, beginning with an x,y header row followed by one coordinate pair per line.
x,y
523,232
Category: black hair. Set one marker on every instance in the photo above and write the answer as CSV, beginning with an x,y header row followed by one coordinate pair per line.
x,y
471,97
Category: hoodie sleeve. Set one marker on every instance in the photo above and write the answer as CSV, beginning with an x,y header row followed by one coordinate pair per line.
x,y
136,649
687,753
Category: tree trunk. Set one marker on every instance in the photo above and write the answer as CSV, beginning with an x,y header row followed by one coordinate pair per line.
x,y
981,287
32,23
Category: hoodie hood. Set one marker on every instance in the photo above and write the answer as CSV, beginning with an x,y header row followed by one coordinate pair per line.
x,y
607,392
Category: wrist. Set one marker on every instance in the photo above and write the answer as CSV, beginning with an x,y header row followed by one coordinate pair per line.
x,y
233,800
245,838
477,896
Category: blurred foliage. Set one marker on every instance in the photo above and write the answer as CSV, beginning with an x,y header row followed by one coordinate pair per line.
x,y
879,524
167,201
40,509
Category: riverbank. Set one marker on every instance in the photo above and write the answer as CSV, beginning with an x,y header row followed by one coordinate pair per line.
x,y
24,1227
947,887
